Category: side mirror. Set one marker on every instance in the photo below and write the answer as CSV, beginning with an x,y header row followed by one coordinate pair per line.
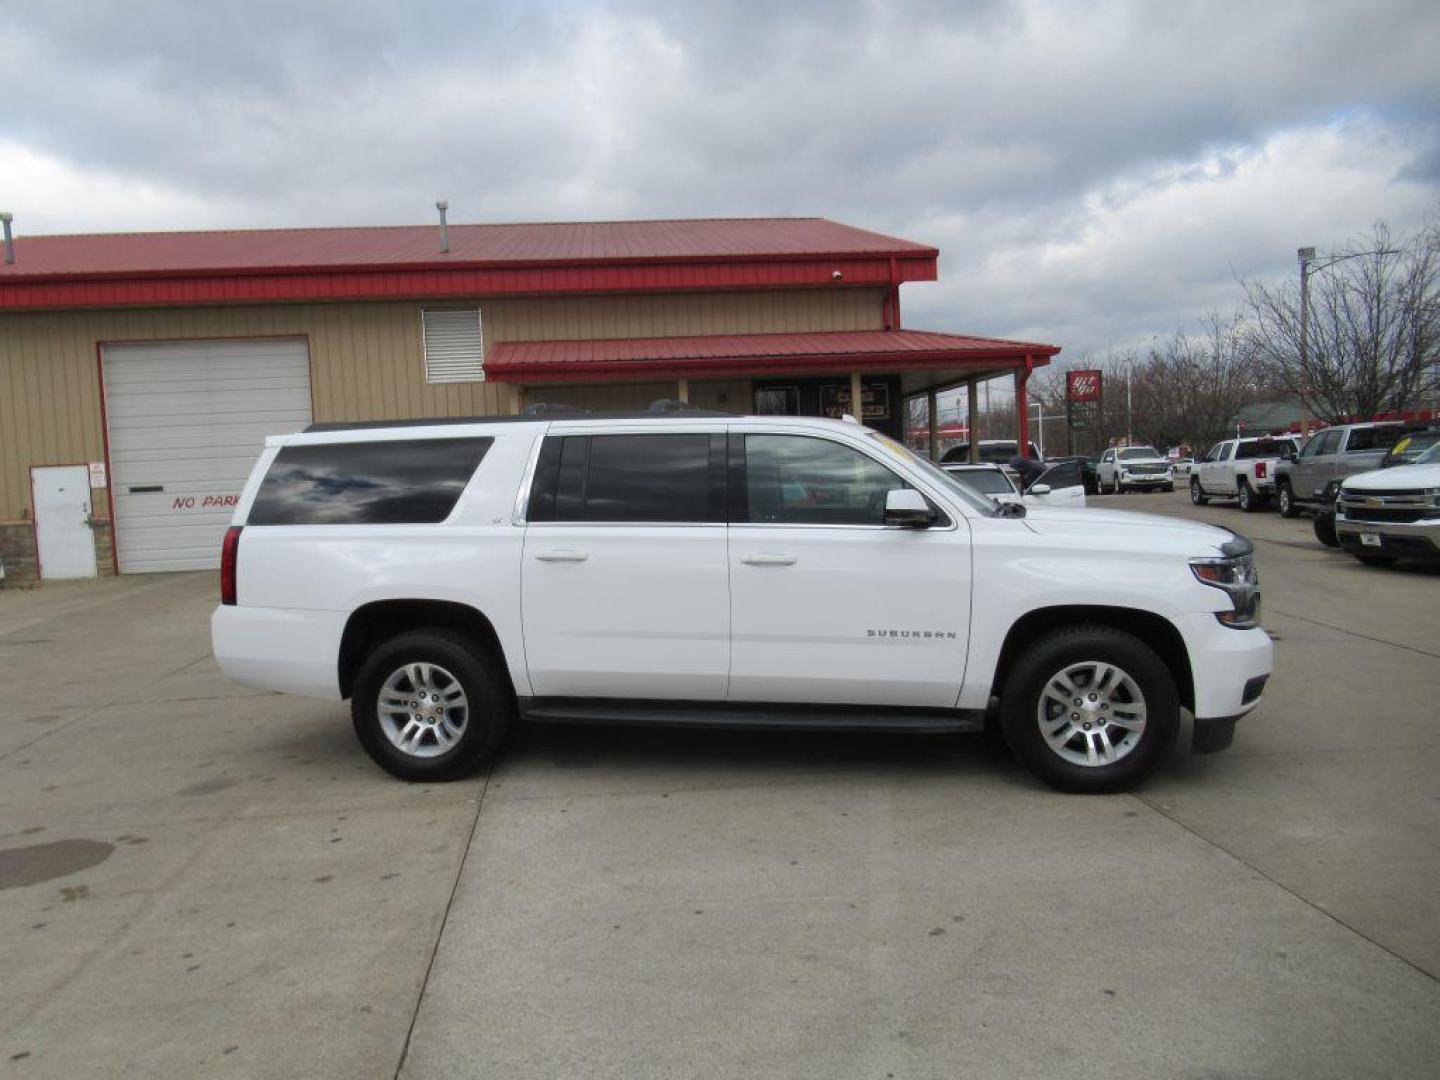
x,y
1038,489
907,508
1292,455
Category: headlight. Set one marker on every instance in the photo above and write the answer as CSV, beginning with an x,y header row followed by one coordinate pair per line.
x,y
1237,577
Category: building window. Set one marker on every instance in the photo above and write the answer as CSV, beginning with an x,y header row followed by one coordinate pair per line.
x,y
454,346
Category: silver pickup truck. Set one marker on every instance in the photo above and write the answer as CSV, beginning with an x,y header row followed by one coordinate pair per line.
x,y
1309,480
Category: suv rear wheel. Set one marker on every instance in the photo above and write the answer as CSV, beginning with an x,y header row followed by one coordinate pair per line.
x,y
1249,503
430,705
1090,709
1197,495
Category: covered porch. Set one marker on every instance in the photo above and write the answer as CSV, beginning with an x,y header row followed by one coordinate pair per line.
x,y
797,374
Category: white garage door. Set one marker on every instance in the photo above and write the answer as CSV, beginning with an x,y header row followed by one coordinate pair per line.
x,y
186,423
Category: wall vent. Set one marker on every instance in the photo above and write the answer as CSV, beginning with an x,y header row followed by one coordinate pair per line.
x,y
454,346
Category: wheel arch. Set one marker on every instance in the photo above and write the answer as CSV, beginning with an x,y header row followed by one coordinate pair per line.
x,y
374,622
1154,630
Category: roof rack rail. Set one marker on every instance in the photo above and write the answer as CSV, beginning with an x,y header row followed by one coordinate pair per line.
x,y
540,409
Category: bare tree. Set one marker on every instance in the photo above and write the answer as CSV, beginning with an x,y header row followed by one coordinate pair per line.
x,y
1373,335
1188,389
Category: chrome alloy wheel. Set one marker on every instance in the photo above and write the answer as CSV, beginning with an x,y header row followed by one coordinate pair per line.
x,y
1091,713
423,709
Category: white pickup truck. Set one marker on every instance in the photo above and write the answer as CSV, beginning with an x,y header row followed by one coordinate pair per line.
x,y
705,568
1241,469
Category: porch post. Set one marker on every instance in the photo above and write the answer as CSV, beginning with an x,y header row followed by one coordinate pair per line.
x,y
934,443
857,402
683,392
1022,407
972,419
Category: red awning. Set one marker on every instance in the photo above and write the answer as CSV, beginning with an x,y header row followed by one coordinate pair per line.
x,y
719,355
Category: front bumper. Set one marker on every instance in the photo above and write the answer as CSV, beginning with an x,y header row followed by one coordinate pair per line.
x,y
1143,479
1398,539
1228,666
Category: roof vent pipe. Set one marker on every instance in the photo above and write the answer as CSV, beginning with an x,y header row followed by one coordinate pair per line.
x,y
5,218
442,206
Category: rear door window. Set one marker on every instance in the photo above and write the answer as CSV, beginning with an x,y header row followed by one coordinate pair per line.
x,y
664,478
409,482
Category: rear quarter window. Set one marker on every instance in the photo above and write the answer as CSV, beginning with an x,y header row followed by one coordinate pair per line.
x,y
406,482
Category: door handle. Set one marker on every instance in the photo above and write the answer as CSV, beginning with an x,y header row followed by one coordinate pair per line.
x,y
562,555
768,558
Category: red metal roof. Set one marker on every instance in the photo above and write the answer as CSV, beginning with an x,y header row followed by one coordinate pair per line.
x,y
683,357
409,246
270,265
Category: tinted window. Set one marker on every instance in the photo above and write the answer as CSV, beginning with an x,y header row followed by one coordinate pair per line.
x,y
796,480
1326,444
985,481
1138,453
414,481
1375,438
607,478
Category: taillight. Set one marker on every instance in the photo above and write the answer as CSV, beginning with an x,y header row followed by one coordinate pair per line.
x,y
1259,470
229,550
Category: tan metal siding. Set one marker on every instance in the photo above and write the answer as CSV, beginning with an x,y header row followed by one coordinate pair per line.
x,y
366,358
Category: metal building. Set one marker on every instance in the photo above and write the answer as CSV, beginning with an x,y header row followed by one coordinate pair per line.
x,y
140,373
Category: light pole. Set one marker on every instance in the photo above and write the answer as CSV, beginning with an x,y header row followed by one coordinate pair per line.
x,y
1309,264
1040,426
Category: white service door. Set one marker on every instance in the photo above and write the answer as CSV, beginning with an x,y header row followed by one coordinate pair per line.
x,y
186,422
62,521
825,612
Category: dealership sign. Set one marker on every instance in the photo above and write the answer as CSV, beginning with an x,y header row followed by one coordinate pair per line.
x,y
1082,386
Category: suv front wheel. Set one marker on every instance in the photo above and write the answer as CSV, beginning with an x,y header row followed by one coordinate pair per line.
x,y
430,705
1285,499
1090,709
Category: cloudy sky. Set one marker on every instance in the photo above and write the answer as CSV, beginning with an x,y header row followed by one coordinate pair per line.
x,y
1093,174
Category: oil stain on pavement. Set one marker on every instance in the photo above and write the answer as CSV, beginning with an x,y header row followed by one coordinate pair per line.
x,y
20,866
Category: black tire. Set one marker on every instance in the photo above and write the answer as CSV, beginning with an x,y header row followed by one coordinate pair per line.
x,y
1197,496
1325,529
1028,678
1377,560
482,677
1245,495
1285,500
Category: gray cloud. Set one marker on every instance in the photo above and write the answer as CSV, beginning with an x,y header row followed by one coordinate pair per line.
x,y
1093,173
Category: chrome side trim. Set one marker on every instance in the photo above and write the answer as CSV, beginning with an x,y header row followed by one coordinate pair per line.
x,y
522,497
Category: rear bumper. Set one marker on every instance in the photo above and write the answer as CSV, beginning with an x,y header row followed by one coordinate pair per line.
x,y
296,652
1399,539
1229,667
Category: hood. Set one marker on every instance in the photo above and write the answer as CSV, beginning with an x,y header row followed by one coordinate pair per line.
x,y
1398,478
1142,461
1142,530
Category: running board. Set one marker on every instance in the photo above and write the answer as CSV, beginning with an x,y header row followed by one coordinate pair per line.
x,y
566,710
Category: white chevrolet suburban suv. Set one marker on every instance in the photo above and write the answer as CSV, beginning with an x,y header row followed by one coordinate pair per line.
x,y
706,568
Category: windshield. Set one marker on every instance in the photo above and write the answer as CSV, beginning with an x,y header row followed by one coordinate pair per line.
x,y
936,475
1431,456
1412,447
985,481
1136,453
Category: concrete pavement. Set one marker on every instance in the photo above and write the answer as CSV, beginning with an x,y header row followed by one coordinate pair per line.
x,y
224,885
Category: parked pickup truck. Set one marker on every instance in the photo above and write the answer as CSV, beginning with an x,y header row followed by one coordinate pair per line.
x,y
1240,469
703,568
1392,513
1310,480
